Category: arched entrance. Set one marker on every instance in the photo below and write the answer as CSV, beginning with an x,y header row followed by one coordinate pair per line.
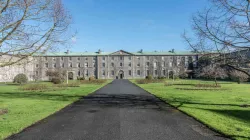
x,y
120,74
70,76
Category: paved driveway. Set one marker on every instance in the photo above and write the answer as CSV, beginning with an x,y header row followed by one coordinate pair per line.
x,y
118,111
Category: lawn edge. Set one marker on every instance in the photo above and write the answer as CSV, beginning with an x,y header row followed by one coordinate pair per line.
x,y
13,135
189,115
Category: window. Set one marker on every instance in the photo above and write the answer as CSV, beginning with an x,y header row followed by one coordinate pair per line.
x,y
113,73
164,72
130,72
120,64
93,64
113,58
147,64
156,72
70,58
162,58
54,65
86,72
170,64
78,65
147,72
86,58
164,64
37,65
70,65
138,72
138,65
46,65
79,73
121,57
36,73
112,64
103,58
94,58
86,65
138,58
78,58
129,64
62,65
61,58
129,58
155,64
103,72
53,58
46,58
147,58
103,64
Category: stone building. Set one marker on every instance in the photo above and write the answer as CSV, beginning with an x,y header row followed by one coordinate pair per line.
x,y
8,73
120,64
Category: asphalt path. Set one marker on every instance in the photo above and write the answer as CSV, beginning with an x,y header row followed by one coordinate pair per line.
x,y
118,111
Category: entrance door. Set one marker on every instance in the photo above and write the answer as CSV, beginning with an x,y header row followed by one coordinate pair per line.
x,y
70,76
121,74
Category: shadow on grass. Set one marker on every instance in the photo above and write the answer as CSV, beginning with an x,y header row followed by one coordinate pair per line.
x,y
39,96
242,114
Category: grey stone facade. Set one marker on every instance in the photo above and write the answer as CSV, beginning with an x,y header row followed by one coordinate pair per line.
x,y
120,64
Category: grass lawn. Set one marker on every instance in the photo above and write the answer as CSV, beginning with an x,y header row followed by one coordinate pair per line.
x,y
219,109
27,107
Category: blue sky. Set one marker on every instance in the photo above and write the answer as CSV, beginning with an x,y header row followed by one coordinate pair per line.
x,y
131,25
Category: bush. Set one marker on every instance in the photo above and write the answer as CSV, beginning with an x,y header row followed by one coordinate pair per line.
x,y
35,87
161,77
149,77
91,78
57,80
20,79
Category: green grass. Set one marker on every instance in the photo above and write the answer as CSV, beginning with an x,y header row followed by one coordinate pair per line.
x,y
219,109
27,107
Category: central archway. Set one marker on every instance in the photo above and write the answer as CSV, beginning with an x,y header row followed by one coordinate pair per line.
x,y
121,74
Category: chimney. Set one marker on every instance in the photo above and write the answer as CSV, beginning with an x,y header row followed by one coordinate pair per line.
x,y
99,51
67,52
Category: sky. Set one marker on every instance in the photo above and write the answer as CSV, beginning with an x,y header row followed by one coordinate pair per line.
x,y
131,25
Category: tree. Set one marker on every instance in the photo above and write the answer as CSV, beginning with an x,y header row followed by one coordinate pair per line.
x,y
224,30
212,72
28,27
238,76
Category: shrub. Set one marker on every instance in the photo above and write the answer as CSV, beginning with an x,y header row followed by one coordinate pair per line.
x,y
57,80
161,77
146,81
183,75
168,84
96,81
142,81
208,85
149,77
80,78
91,78
75,84
20,79
35,87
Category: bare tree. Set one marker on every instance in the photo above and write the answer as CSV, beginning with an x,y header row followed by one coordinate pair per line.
x,y
238,76
212,72
31,26
223,29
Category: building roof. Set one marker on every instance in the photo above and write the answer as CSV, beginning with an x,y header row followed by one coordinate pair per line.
x,y
111,53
